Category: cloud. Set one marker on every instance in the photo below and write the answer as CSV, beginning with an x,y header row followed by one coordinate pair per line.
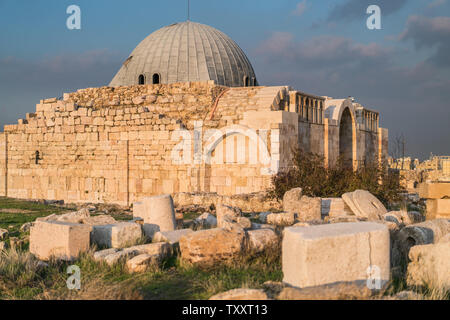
x,y
412,99
356,9
430,32
300,9
436,3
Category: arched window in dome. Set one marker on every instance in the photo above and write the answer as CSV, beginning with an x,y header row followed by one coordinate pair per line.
x,y
141,79
253,81
246,81
156,78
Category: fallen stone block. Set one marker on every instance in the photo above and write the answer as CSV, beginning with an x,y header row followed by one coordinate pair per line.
x,y
117,235
262,239
99,220
62,240
341,252
336,291
122,255
241,294
100,255
207,220
141,262
162,249
364,204
149,230
344,219
230,214
335,207
291,198
281,219
304,207
427,232
158,211
71,217
430,266
206,248
3,234
172,237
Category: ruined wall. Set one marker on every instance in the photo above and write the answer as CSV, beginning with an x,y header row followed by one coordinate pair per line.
x,y
117,144
3,164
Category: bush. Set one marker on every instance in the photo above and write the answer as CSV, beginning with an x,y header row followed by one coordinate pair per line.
x,y
316,180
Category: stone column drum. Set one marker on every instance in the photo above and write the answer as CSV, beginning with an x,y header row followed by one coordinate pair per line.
x,y
159,211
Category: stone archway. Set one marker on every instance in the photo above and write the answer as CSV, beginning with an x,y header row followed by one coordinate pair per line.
x,y
346,139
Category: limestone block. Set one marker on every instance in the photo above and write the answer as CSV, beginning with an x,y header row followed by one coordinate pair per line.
x,y
290,199
438,208
427,232
309,209
207,220
121,255
72,217
365,205
281,219
158,211
149,230
261,239
117,235
141,262
100,255
162,249
171,237
2,246
223,211
3,234
341,252
241,294
208,247
337,291
63,240
99,220
430,265
434,190
335,207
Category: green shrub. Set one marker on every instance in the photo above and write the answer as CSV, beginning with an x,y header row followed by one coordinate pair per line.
x,y
310,173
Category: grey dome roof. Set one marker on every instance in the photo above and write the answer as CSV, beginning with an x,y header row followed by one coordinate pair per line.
x,y
187,51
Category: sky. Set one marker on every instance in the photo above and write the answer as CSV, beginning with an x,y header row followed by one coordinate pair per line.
x,y
321,47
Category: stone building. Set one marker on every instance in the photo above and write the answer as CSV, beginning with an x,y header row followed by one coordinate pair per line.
x,y
185,113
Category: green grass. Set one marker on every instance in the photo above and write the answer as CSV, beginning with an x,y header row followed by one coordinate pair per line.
x,y
22,278
16,220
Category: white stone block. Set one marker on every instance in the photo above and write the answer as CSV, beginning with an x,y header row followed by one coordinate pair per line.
x,y
341,252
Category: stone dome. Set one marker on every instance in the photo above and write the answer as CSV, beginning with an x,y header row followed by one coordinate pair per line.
x,y
183,52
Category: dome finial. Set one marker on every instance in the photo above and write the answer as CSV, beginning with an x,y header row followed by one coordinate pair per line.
x,y
189,10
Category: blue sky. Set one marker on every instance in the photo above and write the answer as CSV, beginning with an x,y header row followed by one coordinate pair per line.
x,y
317,46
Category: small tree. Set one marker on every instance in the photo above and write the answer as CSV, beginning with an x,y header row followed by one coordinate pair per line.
x,y
316,180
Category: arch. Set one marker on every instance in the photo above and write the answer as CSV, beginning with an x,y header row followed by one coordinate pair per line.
x,y
347,141
246,81
156,78
141,79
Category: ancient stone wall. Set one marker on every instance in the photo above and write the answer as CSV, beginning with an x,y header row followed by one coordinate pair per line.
x,y
120,144
117,145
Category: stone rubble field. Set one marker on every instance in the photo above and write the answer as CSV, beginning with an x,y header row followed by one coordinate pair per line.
x,y
331,248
